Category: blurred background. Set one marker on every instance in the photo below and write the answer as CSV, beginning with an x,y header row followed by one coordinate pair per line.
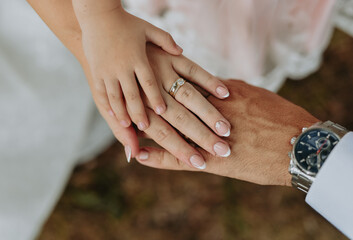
x,y
108,199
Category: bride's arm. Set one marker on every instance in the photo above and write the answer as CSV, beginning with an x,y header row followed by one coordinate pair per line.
x,y
60,17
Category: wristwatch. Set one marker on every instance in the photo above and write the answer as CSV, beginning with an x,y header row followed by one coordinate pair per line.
x,y
310,150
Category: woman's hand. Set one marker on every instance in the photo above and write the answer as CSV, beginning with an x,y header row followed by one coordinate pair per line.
x,y
114,44
60,17
181,110
262,125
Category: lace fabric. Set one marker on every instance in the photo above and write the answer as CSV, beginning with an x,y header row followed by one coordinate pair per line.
x,y
263,42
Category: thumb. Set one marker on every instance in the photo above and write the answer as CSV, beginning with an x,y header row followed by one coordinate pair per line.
x,y
162,159
163,39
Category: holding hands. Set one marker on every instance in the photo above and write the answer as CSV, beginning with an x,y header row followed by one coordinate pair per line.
x,y
262,124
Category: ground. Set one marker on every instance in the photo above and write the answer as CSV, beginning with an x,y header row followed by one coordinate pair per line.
x,y
109,199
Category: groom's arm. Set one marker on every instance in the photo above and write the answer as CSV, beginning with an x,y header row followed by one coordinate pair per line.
x,y
331,194
262,125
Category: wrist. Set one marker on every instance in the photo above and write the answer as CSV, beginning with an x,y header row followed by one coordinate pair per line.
x,y
293,130
88,9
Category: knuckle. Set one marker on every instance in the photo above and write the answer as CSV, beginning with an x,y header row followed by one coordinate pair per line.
x,y
149,82
131,96
163,134
181,118
186,93
192,69
113,96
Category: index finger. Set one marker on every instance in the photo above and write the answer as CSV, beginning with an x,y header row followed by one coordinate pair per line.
x,y
150,86
196,74
163,134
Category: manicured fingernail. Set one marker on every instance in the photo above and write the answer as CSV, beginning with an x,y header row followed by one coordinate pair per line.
x,y
143,155
111,113
221,149
142,126
198,162
128,153
222,129
222,92
124,123
160,110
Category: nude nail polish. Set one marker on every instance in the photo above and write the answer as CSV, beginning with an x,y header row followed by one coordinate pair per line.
x,y
143,155
160,110
124,123
222,129
142,126
222,92
198,162
222,149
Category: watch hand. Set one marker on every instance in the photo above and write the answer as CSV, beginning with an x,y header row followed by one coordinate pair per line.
x,y
322,145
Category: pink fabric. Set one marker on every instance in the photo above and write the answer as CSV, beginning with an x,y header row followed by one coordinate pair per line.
x,y
246,38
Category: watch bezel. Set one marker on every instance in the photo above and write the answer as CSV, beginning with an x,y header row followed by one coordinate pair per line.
x,y
295,161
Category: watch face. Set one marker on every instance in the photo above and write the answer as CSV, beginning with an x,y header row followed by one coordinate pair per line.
x,y
313,147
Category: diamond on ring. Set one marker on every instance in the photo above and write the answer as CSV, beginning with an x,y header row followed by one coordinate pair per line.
x,y
176,85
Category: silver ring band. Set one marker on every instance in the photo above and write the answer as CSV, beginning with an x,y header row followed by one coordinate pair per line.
x,y
175,87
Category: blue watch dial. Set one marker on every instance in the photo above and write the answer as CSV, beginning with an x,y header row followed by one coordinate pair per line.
x,y
313,148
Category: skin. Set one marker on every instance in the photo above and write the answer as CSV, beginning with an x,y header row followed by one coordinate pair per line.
x,y
59,15
114,43
262,125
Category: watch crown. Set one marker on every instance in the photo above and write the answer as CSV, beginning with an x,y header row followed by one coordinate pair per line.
x,y
290,154
292,141
304,129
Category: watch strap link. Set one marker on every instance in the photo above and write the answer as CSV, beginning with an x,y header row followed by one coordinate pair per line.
x,y
301,182
335,128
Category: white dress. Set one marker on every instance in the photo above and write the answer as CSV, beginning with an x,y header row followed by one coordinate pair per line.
x,y
48,121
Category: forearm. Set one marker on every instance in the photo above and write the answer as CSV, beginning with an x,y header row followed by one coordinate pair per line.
x,y
89,11
60,17
92,7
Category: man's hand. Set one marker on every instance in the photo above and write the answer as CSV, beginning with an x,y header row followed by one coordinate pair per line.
x,y
262,126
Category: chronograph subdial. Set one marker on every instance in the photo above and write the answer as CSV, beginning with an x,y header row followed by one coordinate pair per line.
x,y
312,159
312,149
